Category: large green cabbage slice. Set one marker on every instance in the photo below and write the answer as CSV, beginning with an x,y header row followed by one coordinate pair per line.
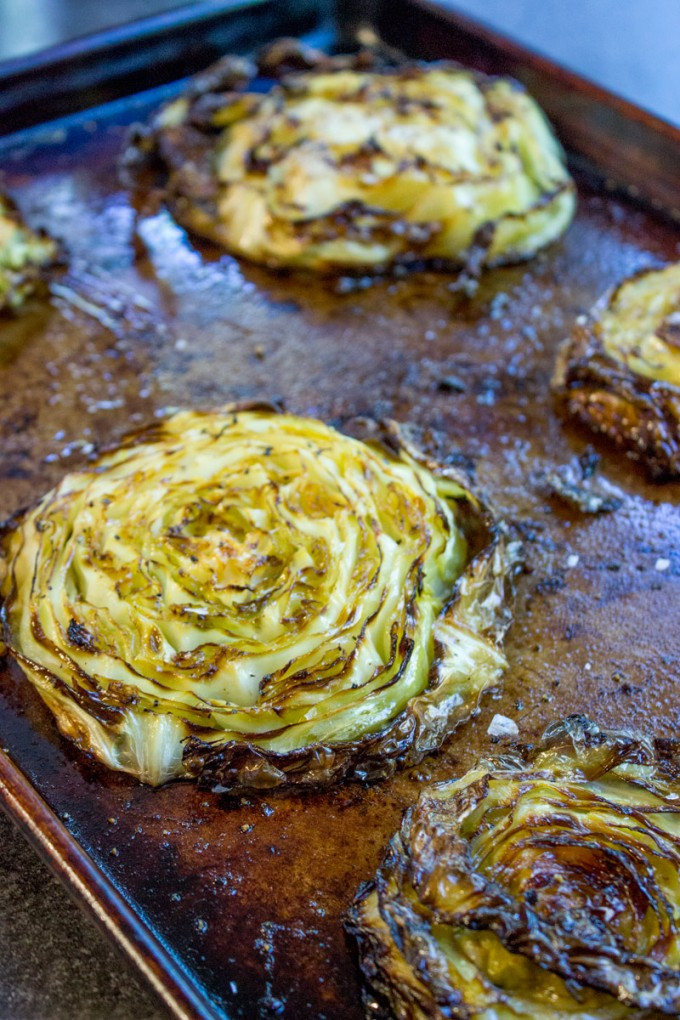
x,y
344,167
256,598
542,885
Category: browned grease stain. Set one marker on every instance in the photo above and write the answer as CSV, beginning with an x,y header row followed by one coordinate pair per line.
x,y
249,895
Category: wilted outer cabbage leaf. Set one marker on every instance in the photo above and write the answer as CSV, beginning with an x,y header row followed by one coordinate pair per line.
x,y
619,373
543,885
346,168
256,598
22,255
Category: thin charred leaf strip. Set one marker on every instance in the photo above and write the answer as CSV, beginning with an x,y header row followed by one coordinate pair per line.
x,y
81,637
590,496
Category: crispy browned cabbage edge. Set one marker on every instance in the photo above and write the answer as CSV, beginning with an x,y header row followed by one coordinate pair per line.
x,y
542,884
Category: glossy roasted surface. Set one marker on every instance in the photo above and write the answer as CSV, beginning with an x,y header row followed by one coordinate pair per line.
x,y
249,894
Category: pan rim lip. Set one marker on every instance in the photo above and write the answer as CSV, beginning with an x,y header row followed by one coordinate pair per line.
x,y
97,894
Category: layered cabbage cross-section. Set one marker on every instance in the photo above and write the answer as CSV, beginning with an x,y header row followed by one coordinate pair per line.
x,y
347,166
542,885
256,599
619,373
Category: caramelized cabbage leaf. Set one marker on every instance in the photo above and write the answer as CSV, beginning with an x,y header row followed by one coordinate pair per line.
x,y
23,254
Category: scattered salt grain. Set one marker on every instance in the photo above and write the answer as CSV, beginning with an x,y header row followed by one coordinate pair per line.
x,y
502,726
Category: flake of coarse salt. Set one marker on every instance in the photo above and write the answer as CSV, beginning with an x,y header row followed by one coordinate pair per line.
x,y
502,726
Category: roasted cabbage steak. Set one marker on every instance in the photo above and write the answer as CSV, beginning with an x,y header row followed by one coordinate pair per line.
x,y
24,253
344,165
254,598
543,884
619,373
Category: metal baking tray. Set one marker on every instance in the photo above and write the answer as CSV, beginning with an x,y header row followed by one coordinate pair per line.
x,y
233,907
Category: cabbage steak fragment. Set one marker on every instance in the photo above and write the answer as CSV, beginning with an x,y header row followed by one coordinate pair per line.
x,y
23,255
255,599
619,373
347,164
541,885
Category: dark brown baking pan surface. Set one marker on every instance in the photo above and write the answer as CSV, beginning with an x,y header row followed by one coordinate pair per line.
x,y
234,907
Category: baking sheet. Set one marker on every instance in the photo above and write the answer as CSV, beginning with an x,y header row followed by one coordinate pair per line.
x,y
236,905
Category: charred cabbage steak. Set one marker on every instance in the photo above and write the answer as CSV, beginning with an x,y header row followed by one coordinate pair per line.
x,y
256,599
620,371
350,165
541,885
23,255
